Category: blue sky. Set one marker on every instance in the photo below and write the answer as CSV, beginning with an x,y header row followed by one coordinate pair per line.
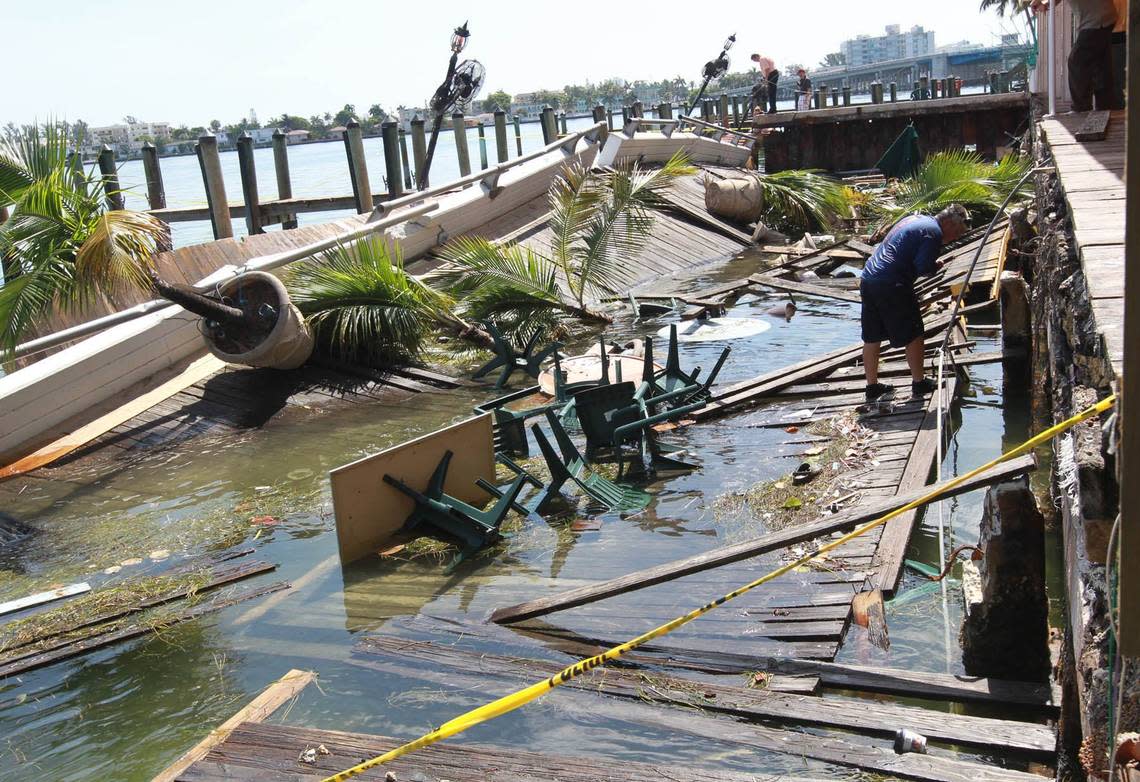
x,y
169,62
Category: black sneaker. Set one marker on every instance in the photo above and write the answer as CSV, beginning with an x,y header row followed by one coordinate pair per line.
x,y
923,387
878,391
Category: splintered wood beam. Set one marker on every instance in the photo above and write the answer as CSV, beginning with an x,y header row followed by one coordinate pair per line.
x,y
669,571
805,288
270,700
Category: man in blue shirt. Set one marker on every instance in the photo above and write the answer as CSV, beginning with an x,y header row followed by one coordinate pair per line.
x,y
890,305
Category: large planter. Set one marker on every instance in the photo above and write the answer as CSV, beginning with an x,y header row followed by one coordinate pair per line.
x,y
740,198
288,344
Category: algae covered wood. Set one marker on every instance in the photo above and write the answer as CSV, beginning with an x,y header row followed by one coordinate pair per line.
x,y
368,510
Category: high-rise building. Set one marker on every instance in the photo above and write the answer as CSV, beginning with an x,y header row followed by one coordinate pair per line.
x,y
894,45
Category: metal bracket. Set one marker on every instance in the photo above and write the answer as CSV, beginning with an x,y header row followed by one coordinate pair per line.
x,y
490,184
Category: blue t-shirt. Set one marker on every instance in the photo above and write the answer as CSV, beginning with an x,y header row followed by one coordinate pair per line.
x,y
909,251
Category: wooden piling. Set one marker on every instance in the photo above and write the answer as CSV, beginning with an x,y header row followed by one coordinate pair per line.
x,y
419,144
404,157
635,109
821,98
389,139
75,165
565,130
155,192
894,92
281,169
248,172
599,113
994,86
518,134
546,121
211,165
625,114
502,152
610,118
357,167
459,127
110,175
724,118
834,97
482,147
847,96
735,110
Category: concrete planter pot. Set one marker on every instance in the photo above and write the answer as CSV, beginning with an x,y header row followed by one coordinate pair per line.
x,y
288,344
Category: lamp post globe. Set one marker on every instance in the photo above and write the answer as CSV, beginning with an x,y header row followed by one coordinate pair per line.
x,y
459,38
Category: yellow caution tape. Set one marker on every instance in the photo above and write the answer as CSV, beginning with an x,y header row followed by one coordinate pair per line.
x,y
516,699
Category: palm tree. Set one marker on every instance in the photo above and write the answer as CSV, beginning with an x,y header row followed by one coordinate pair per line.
x,y
61,244
599,220
953,176
364,308
795,201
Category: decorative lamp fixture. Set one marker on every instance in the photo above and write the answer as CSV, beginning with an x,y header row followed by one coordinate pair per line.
x,y
459,38
729,41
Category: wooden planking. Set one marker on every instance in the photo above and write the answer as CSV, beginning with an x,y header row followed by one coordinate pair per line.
x,y
254,751
399,656
270,700
39,598
921,684
729,554
806,288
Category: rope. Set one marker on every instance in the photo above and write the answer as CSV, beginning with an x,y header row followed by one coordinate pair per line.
x,y
509,703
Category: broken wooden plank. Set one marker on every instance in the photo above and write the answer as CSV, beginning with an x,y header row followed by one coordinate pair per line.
x,y
921,684
260,751
702,216
669,571
805,288
1094,127
101,640
39,598
858,246
270,700
867,612
399,656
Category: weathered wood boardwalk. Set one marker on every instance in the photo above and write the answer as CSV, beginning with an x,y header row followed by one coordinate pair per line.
x,y
1091,175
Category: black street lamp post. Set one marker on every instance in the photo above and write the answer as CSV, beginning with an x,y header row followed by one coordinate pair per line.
x,y
713,69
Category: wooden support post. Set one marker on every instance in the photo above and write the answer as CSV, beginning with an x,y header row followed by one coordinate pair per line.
x,y
404,157
847,96
834,96
357,167
419,144
546,120
482,147
155,193
924,87
281,169
389,138
821,98
211,165
1128,465
736,110
724,118
994,87
248,172
518,134
599,113
459,127
110,175
610,117
565,130
78,179
9,266
635,109
502,152
894,92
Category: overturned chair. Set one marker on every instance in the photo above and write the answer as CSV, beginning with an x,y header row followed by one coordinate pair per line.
x,y
509,359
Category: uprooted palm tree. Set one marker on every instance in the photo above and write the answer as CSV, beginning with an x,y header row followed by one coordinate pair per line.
x,y
61,245
365,308
599,221
953,176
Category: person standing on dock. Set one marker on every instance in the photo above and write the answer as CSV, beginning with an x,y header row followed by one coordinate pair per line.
x,y
771,75
803,91
890,303
1090,60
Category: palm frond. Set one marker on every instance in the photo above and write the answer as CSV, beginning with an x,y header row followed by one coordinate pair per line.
x,y
485,278
802,200
574,197
362,305
120,249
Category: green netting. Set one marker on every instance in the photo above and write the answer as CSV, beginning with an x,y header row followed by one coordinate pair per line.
x,y
902,157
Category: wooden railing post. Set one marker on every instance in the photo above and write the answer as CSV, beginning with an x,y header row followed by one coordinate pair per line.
x,y
419,145
461,150
599,115
502,151
610,117
248,172
482,146
391,143
834,96
546,120
357,167
636,109
518,134
155,193
735,111
404,157
894,92
847,96
75,165
281,169
625,114
110,176
724,120
211,165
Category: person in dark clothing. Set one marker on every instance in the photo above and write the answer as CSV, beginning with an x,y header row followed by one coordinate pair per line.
x,y
890,306
803,91
1091,79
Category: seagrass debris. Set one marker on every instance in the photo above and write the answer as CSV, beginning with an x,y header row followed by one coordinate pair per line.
x,y
47,636
669,571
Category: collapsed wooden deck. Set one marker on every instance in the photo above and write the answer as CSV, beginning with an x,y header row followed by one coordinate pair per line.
x,y
690,683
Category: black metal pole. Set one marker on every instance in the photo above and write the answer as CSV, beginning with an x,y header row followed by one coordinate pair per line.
x,y
700,94
440,96
423,177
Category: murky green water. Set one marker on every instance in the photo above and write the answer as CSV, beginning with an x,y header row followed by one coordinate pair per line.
x,y
125,712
